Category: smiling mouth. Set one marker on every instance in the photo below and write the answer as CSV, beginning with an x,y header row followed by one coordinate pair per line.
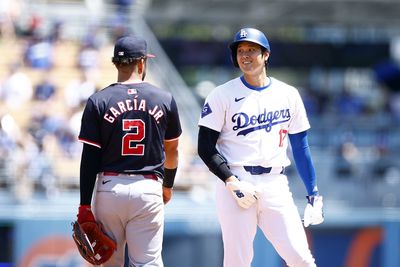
x,y
246,62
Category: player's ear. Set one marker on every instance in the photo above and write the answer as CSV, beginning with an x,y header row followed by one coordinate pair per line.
x,y
266,57
141,65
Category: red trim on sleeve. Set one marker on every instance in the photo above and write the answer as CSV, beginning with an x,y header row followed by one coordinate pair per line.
x,y
173,139
89,142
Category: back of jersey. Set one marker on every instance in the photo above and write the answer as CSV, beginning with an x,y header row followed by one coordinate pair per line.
x,y
129,122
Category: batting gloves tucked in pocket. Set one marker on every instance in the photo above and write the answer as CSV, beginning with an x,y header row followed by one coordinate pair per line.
x,y
243,192
313,213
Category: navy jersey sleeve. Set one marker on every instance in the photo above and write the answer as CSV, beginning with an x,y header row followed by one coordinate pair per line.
x,y
174,129
90,125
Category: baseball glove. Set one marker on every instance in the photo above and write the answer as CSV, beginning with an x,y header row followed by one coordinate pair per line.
x,y
93,245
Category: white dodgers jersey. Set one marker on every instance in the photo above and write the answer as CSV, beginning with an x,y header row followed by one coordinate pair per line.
x,y
254,123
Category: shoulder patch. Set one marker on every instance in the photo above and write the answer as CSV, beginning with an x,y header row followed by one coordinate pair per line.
x,y
206,110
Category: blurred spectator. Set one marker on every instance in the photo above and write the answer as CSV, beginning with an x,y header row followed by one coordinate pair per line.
x,y
29,169
40,169
118,27
95,37
16,88
95,8
45,89
74,122
382,163
78,91
123,9
346,160
67,140
14,158
88,59
56,31
123,5
8,133
3,161
348,104
385,159
43,123
39,52
33,26
18,161
311,102
394,104
388,74
10,11
202,89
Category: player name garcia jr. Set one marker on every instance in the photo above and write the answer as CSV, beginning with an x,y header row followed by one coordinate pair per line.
x,y
264,120
129,105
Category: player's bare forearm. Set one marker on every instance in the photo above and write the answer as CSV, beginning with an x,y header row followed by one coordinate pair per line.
x,y
171,153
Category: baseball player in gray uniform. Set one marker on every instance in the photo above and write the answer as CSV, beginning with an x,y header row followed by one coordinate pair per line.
x,y
244,130
130,132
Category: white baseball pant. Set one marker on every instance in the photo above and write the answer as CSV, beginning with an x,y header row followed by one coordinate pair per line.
x,y
275,213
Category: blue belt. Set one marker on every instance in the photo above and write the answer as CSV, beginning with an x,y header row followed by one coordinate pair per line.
x,y
257,170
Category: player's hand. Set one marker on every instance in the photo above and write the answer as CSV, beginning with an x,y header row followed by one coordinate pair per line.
x,y
167,194
85,214
243,192
313,213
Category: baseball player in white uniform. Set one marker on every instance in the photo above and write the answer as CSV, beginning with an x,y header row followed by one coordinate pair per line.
x,y
244,130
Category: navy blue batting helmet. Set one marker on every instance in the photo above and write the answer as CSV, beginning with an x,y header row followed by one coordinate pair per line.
x,y
248,35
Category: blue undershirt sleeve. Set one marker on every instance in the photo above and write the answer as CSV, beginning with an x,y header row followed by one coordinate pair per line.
x,y
304,164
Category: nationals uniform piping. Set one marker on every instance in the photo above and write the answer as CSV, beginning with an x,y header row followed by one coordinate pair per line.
x,y
130,132
243,139
129,123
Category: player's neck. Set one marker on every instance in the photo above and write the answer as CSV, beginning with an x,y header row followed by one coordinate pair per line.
x,y
129,79
257,80
131,74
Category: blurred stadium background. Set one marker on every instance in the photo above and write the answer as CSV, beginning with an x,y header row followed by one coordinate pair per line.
x,y
343,56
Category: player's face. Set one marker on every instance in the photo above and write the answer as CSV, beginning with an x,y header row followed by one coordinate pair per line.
x,y
250,58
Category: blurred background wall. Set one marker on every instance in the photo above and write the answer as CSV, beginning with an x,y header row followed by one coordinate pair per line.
x,y
342,55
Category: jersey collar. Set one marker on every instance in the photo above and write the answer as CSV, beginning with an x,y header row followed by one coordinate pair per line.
x,y
254,87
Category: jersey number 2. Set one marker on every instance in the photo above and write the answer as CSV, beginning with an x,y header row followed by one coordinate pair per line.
x,y
130,146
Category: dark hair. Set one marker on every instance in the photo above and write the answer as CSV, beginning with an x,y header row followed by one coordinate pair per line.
x,y
126,60
263,50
